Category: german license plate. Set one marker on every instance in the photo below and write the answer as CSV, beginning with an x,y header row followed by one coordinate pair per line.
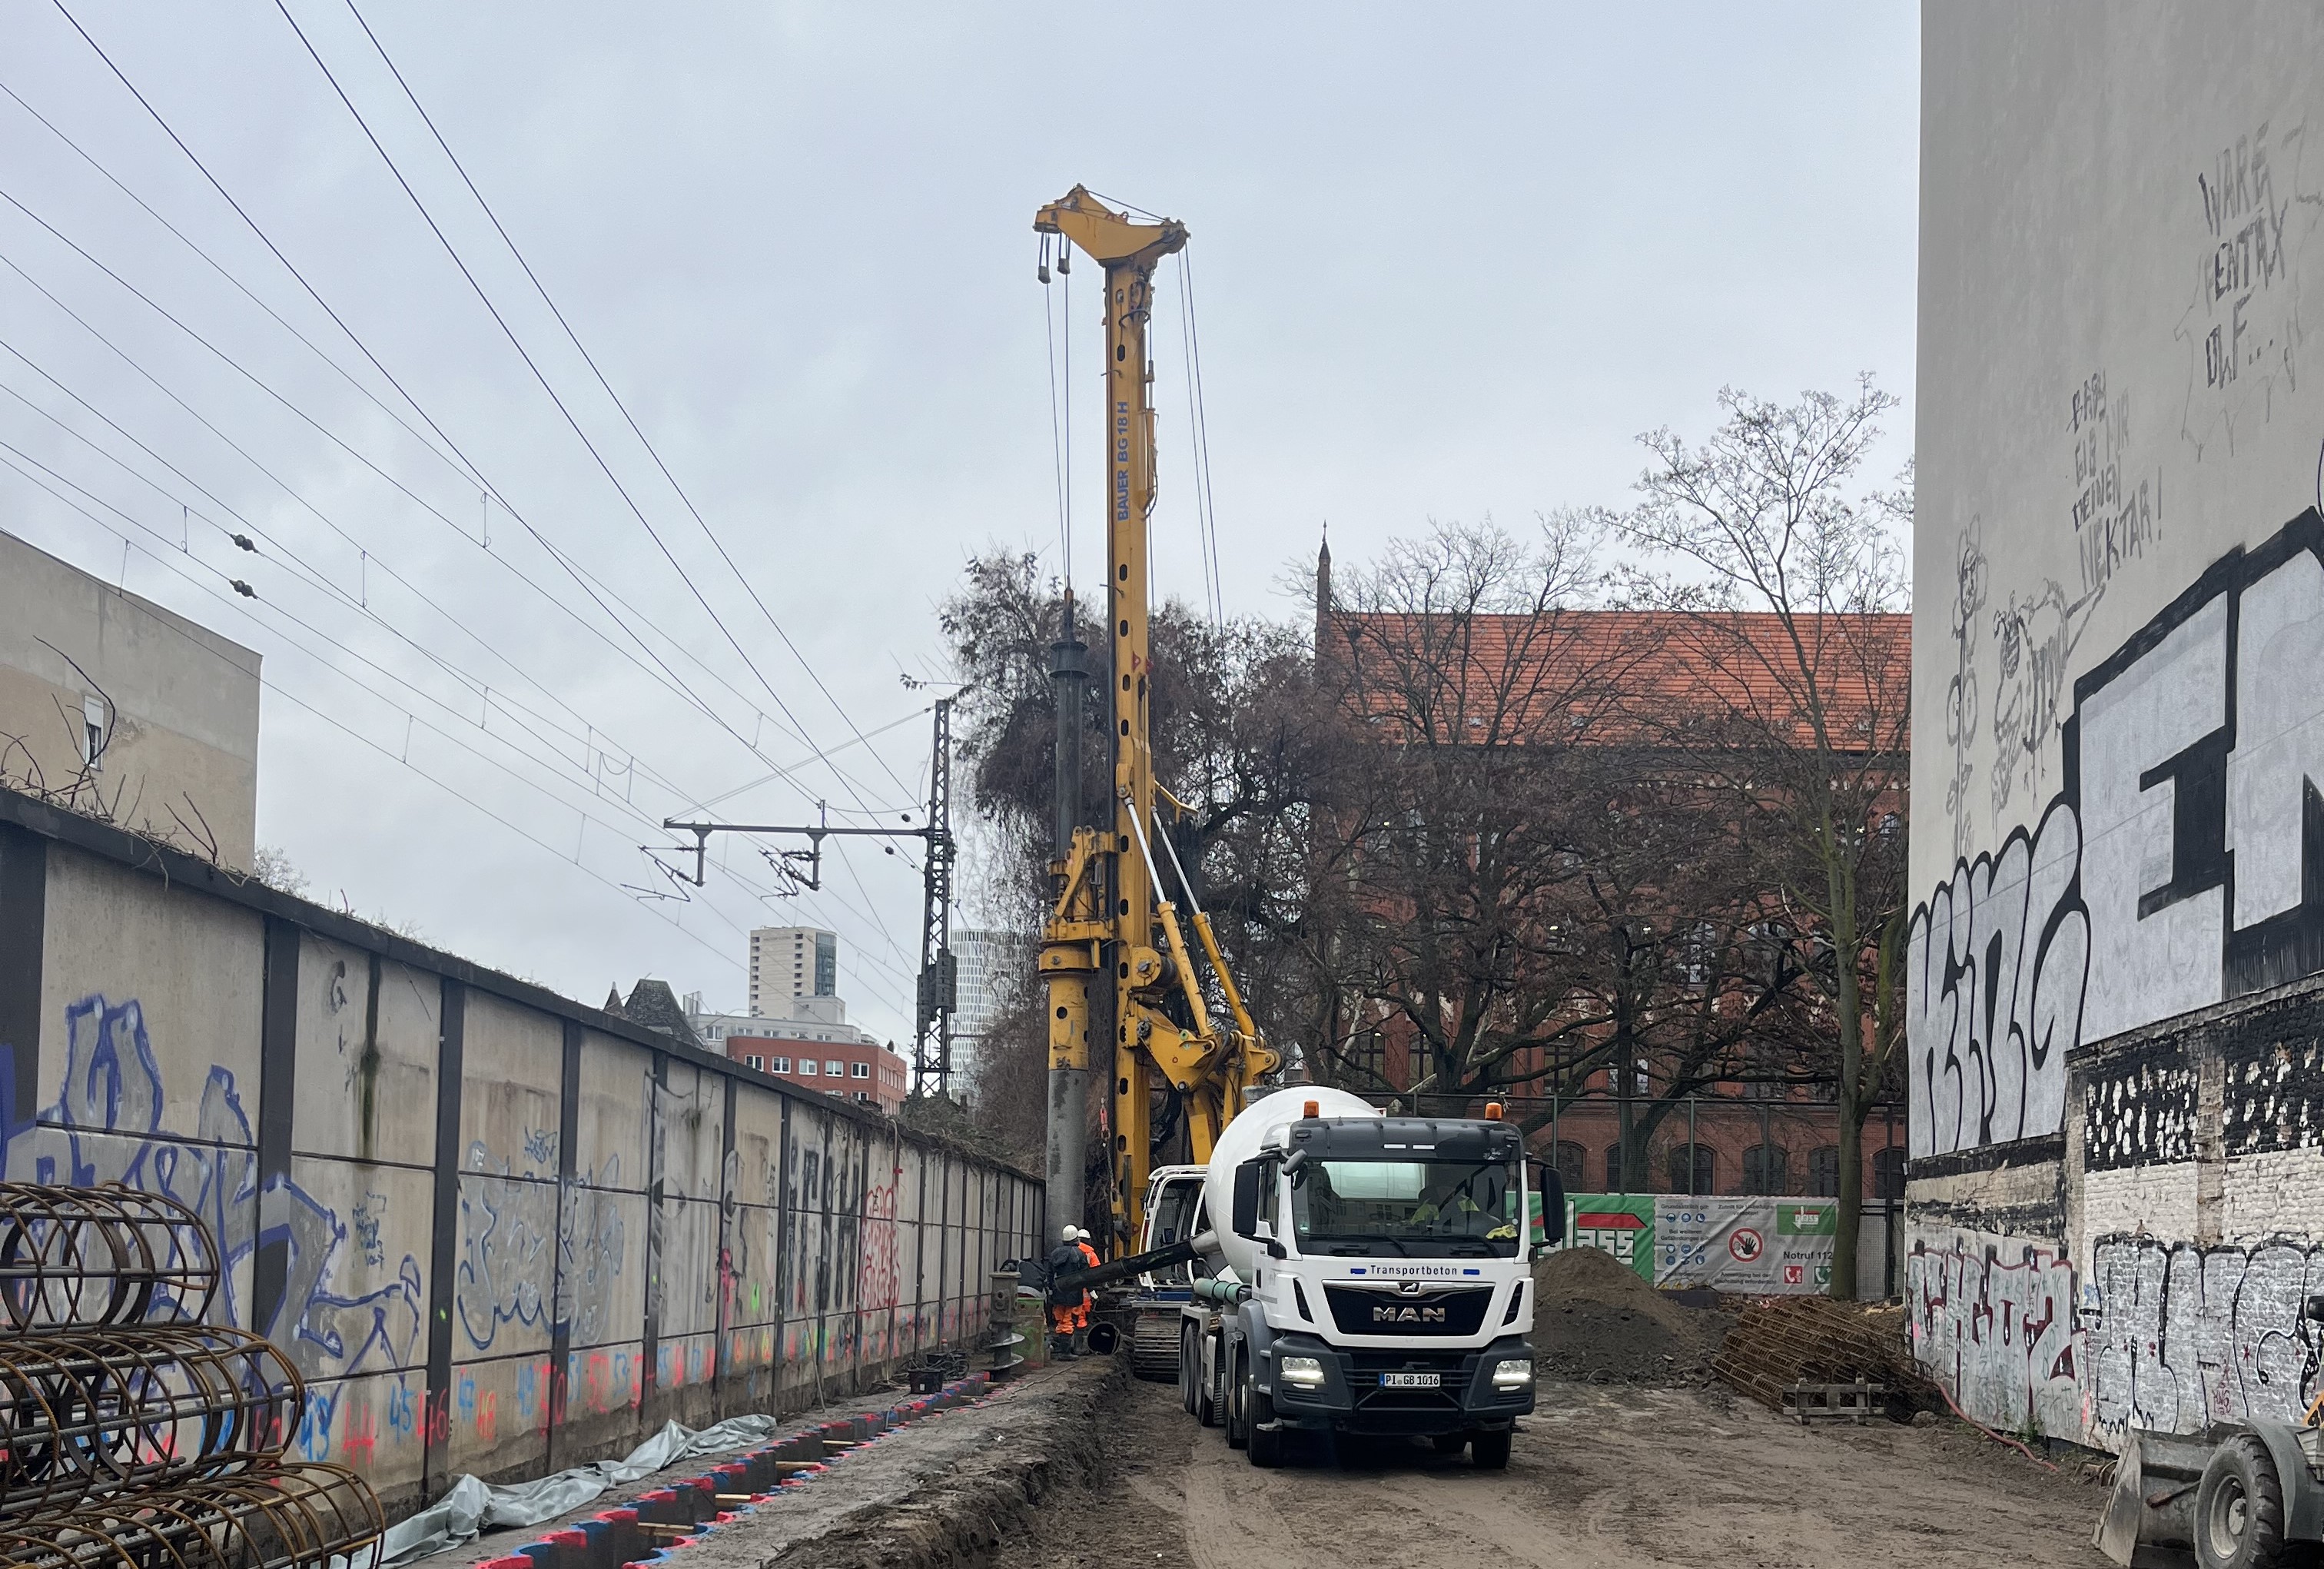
x,y
1411,1381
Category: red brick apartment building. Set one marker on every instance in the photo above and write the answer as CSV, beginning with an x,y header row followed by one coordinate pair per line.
x,y
865,1071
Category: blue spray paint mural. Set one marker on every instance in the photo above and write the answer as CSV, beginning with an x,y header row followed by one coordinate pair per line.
x,y
105,1125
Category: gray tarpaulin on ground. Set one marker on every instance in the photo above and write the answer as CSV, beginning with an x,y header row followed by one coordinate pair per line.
x,y
474,1506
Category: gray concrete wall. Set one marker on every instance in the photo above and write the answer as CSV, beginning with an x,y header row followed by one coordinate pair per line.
x,y
497,1230
2117,831
182,726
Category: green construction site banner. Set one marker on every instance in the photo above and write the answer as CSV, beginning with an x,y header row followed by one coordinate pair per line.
x,y
1757,1247
1620,1223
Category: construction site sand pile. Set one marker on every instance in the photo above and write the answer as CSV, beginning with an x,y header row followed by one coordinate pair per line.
x,y
1595,1320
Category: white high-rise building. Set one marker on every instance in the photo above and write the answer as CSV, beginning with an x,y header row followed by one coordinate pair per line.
x,y
789,962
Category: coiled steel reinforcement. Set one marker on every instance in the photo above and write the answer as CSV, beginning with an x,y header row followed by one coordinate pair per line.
x,y
132,1435
83,1258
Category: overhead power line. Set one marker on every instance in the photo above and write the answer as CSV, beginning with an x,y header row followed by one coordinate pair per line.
x,y
590,360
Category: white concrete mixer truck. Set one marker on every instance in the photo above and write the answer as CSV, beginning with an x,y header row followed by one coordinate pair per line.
x,y
1355,1273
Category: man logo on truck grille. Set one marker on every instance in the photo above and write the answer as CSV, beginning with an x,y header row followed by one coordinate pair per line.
x,y
1407,1314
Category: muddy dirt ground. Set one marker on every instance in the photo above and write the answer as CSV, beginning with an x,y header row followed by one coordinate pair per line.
x,y
1601,1476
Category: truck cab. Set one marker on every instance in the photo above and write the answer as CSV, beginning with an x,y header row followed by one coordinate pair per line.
x,y
1383,1286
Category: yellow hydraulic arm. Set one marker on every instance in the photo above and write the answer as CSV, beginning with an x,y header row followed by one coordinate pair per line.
x,y
1110,912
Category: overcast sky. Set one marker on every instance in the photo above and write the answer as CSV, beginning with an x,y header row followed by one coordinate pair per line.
x,y
1448,263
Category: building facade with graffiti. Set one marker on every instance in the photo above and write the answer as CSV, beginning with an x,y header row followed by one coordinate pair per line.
x,y
497,1230
2115,993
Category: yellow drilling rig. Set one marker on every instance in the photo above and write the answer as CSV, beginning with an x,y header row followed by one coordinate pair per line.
x,y
1115,961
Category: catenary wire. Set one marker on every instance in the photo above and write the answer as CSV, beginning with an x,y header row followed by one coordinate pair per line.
x,y
589,588
587,357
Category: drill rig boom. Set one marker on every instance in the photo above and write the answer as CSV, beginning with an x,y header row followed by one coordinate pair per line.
x,y
1111,919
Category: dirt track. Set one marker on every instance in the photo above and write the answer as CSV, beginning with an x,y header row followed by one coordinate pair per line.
x,y
1600,1477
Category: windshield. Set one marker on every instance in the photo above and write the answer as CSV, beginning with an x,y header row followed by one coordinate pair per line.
x,y
1421,1209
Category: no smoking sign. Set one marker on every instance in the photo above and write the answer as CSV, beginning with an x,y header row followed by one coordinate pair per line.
x,y
1744,1244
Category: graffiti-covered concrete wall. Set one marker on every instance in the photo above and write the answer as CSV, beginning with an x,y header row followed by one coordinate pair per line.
x,y
497,1230
2117,947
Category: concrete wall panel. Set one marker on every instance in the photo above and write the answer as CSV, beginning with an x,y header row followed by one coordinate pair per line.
x,y
150,1006
500,1416
511,1068
616,1101
355,1295
368,1032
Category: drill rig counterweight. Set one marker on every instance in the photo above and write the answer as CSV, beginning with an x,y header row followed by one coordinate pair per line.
x,y
1111,922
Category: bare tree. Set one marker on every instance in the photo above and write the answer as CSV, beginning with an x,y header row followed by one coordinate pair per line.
x,y
1450,878
1238,739
1789,579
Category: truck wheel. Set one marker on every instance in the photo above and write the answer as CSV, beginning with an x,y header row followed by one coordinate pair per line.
x,y
2239,1509
1490,1451
1210,1392
1449,1443
1238,1402
1187,1371
1266,1442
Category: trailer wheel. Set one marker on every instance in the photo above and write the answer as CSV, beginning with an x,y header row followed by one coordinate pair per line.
x,y
1489,1451
2239,1509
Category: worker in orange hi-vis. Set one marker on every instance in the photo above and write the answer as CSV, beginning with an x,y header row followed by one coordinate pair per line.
x,y
1089,1257
1065,1260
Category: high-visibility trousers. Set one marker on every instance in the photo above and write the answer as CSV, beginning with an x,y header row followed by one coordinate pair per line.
x,y
1062,1319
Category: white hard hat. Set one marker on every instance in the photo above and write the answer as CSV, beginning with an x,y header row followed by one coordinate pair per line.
x,y
1080,1235
1071,1232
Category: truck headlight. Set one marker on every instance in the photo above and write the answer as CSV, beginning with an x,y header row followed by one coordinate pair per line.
x,y
1512,1373
1307,1373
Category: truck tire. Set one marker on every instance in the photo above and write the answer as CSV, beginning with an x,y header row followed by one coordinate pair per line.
x,y
2239,1509
1238,1402
1154,1347
1266,1445
1188,1366
1210,1393
1489,1451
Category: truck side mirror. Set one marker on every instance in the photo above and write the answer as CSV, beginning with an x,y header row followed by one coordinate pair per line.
x,y
1550,1187
1246,1199
2313,1310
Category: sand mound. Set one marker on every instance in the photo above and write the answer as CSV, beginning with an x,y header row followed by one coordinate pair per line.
x,y
1596,1320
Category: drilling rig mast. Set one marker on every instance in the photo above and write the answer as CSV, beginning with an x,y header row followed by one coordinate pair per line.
x,y
1111,920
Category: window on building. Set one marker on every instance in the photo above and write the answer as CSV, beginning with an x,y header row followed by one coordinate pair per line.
x,y
1694,1168
1368,1053
859,1070
1823,1171
778,1065
835,1067
755,1062
1888,1173
1764,1169
1614,1169
863,1097
1569,1159
806,1067
92,719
